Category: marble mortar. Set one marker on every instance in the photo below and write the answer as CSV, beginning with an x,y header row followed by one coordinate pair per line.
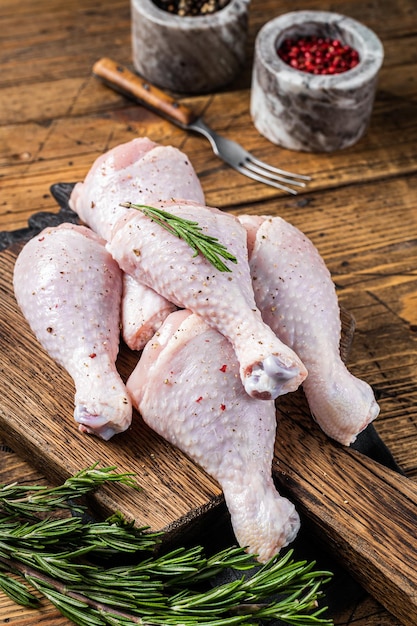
x,y
309,112
189,54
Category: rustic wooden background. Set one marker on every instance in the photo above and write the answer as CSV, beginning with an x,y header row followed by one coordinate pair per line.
x,y
360,209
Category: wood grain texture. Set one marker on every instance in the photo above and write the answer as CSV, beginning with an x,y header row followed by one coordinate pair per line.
x,y
360,210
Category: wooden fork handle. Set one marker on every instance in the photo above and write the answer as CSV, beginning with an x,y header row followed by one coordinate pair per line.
x,y
133,86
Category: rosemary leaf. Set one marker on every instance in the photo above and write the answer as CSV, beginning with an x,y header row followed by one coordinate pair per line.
x,y
74,610
17,592
24,500
190,232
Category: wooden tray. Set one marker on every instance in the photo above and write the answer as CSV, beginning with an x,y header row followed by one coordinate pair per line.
x,y
365,513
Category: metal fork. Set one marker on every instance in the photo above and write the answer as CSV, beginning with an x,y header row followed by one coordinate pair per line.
x,y
133,86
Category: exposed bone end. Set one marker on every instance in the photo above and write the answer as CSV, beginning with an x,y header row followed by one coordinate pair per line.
x,y
277,524
288,532
273,377
104,419
342,405
373,413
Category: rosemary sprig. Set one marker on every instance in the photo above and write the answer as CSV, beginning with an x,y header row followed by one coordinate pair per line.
x,y
190,231
26,499
110,573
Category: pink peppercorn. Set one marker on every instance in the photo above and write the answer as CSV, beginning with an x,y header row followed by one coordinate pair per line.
x,y
318,55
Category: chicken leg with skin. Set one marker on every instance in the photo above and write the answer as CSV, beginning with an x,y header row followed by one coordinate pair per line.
x,y
139,171
69,289
225,300
186,387
143,172
296,295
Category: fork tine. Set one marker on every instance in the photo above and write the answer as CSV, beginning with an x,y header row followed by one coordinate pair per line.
x,y
275,170
268,181
267,173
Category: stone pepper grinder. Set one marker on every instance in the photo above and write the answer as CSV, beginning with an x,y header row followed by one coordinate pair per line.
x,y
191,54
313,112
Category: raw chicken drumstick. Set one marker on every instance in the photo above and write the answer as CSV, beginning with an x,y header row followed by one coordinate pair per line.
x,y
187,388
69,289
139,171
225,300
296,295
143,172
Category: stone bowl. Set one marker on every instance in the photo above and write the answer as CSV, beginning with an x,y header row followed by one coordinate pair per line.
x,y
189,54
313,112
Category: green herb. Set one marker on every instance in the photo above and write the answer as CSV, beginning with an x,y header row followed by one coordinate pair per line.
x,y
112,573
191,233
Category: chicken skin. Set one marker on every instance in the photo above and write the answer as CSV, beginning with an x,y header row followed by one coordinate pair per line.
x,y
143,311
69,289
225,300
187,388
142,172
139,171
296,295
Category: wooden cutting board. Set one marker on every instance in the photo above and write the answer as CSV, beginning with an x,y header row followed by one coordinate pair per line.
x,y
365,514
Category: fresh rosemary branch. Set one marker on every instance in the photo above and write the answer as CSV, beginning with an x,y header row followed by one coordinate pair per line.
x,y
110,573
26,499
190,231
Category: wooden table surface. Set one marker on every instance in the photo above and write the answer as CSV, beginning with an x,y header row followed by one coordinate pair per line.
x,y
360,208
